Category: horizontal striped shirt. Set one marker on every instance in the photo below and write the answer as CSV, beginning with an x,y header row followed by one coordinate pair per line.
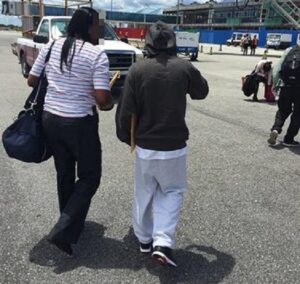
x,y
70,93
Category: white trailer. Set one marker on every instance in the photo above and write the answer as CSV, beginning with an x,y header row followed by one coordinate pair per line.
x,y
188,43
278,40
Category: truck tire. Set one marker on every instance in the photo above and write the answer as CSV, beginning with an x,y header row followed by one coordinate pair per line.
x,y
25,68
193,56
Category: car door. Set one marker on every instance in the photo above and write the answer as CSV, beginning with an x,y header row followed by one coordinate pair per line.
x,y
43,31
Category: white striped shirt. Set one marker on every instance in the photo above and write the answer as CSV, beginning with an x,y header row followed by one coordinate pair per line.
x,y
70,93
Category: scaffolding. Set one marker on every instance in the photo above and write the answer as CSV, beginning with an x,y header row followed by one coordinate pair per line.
x,y
32,12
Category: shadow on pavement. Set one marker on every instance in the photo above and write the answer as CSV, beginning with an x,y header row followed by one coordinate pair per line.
x,y
196,264
260,101
280,146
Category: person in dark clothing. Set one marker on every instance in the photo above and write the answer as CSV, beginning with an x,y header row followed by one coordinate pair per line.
x,y
78,80
155,95
288,103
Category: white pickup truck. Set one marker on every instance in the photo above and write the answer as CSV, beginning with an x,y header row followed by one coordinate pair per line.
x,y
121,55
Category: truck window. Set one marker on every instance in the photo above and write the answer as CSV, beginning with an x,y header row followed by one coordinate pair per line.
x,y
109,33
59,28
44,29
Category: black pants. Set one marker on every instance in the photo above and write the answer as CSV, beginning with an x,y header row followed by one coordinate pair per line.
x,y
289,102
259,79
76,147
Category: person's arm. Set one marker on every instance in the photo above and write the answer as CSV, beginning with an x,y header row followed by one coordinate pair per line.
x,y
38,67
126,108
198,87
277,69
101,82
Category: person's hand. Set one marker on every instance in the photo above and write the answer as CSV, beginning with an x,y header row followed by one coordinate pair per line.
x,y
107,107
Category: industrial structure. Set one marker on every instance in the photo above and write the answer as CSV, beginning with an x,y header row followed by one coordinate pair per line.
x,y
229,14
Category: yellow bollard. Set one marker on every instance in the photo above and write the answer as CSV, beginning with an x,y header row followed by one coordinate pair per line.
x,y
211,50
265,54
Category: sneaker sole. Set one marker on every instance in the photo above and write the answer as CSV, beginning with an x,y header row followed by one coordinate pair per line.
x,y
289,145
145,250
273,138
163,259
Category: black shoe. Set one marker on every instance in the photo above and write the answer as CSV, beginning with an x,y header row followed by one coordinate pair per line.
x,y
164,255
146,248
292,143
255,99
64,247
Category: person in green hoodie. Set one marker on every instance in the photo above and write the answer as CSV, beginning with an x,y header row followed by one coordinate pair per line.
x,y
155,95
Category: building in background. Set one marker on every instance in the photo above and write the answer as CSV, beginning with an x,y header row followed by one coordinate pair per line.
x,y
217,21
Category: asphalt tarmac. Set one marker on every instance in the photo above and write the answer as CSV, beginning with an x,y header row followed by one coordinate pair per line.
x,y
240,220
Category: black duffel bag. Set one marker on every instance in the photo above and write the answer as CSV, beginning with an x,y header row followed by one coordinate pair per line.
x,y
24,139
249,85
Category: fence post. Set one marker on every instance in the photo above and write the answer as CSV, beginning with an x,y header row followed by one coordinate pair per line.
x,y
220,48
201,49
211,50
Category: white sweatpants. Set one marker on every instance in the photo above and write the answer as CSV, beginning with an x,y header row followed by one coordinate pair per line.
x,y
158,196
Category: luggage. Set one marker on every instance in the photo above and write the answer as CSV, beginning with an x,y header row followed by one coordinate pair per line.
x,y
24,138
269,95
249,85
290,68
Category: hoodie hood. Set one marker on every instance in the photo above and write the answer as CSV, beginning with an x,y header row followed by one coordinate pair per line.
x,y
160,39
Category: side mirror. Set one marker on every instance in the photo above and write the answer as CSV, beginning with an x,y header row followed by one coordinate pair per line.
x,y
40,39
124,39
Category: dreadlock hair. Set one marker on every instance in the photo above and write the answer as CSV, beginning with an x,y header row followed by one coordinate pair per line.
x,y
78,28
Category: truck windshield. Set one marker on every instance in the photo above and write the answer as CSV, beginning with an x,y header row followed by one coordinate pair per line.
x,y
274,37
59,29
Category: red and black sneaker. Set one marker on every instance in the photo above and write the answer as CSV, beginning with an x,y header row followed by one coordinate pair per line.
x,y
164,256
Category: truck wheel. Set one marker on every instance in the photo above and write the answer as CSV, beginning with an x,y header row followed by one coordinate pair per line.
x,y
24,66
193,56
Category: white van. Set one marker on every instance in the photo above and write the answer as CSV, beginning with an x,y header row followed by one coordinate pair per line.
x,y
236,37
279,41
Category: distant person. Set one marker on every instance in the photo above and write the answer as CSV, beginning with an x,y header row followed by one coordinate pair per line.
x,y
254,44
287,80
78,80
246,44
263,74
157,98
242,43
142,35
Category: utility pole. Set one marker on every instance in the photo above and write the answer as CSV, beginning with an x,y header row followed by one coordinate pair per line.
x,y
177,15
111,9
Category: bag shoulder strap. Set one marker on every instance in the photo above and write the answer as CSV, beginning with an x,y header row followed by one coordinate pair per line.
x,y
49,52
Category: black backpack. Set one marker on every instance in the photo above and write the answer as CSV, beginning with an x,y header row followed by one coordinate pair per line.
x,y
290,68
249,85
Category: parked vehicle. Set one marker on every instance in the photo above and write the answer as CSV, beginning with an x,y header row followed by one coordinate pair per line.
x,y
188,43
121,55
298,39
236,38
278,40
